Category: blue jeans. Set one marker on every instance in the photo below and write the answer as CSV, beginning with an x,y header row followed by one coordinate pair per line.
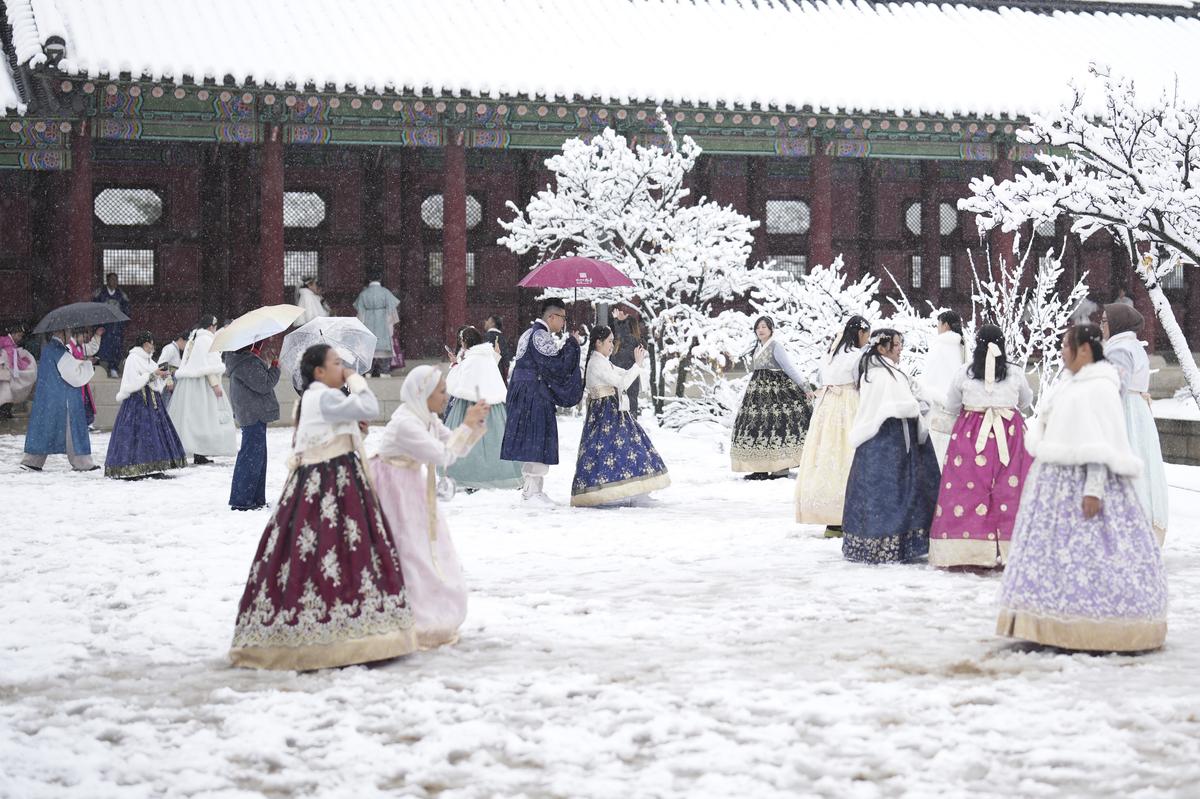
x,y
250,472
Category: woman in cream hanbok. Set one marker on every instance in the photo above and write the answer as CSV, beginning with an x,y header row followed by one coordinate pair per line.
x,y
1127,354
18,371
825,461
415,445
199,408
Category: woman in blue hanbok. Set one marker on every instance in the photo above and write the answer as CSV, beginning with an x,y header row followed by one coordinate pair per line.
x,y
892,490
616,460
144,442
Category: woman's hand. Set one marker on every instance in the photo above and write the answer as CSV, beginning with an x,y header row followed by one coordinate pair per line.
x,y
477,414
363,427
217,390
1091,507
639,355
160,373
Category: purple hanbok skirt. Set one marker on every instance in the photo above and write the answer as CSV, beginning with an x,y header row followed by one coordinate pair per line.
x,y
1089,584
143,440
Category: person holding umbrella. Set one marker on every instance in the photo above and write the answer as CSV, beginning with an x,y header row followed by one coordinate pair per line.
x,y
57,422
252,393
543,376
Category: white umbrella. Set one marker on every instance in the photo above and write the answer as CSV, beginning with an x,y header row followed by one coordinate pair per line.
x,y
255,326
350,337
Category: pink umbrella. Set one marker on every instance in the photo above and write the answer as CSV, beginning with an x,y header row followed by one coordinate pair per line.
x,y
575,272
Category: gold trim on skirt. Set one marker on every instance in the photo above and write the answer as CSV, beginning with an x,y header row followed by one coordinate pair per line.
x,y
614,492
1087,635
326,656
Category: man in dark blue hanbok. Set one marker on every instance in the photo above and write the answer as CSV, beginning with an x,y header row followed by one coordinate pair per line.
x,y
543,377
112,348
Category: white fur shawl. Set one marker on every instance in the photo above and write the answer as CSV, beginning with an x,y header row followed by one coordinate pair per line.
x,y
1083,421
883,394
477,377
139,370
946,357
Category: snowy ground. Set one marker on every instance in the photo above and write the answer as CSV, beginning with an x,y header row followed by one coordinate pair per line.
x,y
704,647
1177,408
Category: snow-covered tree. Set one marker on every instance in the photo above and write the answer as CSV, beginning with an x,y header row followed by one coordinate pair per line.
x,y
808,314
1032,316
1132,170
629,206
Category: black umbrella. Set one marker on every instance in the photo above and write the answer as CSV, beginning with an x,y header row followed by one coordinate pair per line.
x,y
79,314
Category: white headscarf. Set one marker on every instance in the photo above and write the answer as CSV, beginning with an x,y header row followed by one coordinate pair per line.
x,y
419,384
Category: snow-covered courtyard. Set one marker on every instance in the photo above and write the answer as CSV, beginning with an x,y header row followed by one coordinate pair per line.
x,y
706,646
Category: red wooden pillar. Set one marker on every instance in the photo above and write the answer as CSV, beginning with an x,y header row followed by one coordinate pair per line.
x,y
80,261
820,233
931,233
1002,243
270,218
454,238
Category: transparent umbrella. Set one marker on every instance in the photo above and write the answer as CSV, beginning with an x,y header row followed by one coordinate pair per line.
x,y
354,343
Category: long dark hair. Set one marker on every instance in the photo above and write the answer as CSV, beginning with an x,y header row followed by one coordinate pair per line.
x,y
985,335
143,338
313,357
849,338
206,321
1088,334
597,334
770,326
881,340
952,319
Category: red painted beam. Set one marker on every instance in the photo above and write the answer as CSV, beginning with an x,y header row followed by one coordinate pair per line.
x,y
454,239
81,265
820,234
270,218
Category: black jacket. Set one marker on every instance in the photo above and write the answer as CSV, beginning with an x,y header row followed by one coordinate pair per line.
x,y
626,343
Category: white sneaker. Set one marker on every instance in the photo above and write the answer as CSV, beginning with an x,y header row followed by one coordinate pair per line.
x,y
540,499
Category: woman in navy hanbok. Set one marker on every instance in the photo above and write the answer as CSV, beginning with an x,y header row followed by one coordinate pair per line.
x,y
616,458
143,442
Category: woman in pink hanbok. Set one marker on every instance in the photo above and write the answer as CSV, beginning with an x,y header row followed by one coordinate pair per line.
x,y
986,462
18,371
415,445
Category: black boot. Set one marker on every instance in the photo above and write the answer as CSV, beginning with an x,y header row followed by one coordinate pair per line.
x,y
6,411
200,460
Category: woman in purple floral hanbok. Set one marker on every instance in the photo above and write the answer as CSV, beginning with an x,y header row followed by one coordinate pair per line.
x,y
1085,571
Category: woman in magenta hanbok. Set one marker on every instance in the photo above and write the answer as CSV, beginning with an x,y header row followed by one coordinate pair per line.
x,y
986,461
415,445
325,586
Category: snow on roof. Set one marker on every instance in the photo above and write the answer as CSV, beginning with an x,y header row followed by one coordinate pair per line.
x,y
919,58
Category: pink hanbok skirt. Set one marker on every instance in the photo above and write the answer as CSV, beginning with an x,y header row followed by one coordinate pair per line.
x,y
433,575
979,494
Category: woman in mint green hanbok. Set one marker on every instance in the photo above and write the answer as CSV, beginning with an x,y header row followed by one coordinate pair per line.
x,y
475,378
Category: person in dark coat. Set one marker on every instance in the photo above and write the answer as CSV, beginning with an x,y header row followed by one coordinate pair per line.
x,y
627,329
543,376
112,342
493,333
252,394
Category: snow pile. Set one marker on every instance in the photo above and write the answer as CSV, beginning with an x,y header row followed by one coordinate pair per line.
x,y
704,647
909,58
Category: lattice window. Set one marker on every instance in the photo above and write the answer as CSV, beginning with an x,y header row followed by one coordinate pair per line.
x,y
437,269
946,270
128,207
1044,228
947,218
303,209
794,265
912,218
133,267
915,270
432,212
788,217
1174,278
299,265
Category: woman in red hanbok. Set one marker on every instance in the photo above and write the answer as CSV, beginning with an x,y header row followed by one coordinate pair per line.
x,y
325,587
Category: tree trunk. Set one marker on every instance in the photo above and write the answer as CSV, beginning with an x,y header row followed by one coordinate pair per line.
x,y
1166,315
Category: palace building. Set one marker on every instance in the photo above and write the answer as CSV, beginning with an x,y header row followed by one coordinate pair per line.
x,y
213,154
